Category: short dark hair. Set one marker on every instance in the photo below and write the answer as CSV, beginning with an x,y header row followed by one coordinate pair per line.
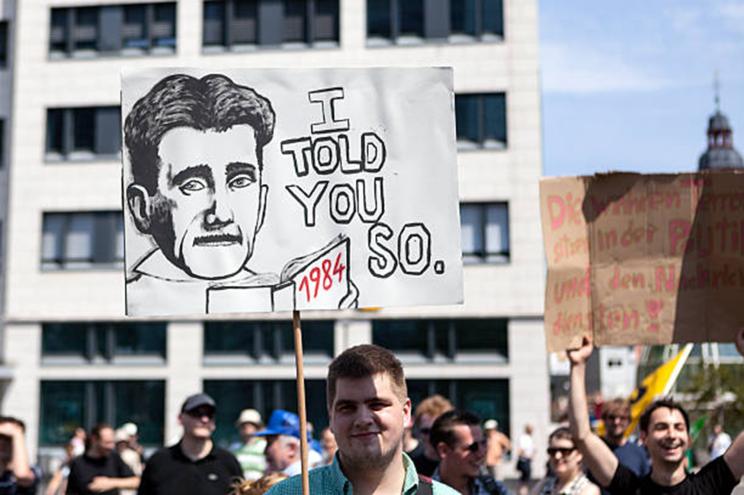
x,y
561,433
667,403
614,407
443,429
362,361
97,429
16,421
212,102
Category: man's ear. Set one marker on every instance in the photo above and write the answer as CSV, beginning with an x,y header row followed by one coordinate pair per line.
x,y
140,206
442,450
643,436
262,196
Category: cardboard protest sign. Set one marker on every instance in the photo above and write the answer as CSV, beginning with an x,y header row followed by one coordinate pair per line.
x,y
271,190
643,259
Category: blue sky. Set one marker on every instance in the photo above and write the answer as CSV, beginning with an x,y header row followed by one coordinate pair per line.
x,y
629,85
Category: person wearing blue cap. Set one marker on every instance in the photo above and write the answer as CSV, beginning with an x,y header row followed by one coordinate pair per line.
x,y
368,407
195,465
283,444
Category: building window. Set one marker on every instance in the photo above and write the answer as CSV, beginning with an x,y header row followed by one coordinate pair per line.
x,y
485,232
3,44
465,340
113,29
481,121
97,343
82,240
2,143
476,19
233,396
68,404
489,399
247,24
266,342
417,21
84,133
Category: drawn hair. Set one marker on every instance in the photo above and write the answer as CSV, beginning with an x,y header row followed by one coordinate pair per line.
x,y
213,102
362,361
443,429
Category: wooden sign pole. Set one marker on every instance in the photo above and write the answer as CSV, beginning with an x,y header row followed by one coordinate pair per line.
x,y
301,401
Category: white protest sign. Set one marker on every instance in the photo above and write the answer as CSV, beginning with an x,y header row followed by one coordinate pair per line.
x,y
270,190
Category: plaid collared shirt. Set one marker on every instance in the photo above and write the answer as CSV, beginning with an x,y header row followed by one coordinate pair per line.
x,y
330,480
478,485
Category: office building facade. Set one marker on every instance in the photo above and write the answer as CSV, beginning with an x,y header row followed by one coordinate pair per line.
x,y
71,355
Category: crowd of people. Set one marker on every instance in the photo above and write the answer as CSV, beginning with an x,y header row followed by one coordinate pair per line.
x,y
378,443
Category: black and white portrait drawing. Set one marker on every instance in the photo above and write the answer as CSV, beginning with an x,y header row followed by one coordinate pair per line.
x,y
207,158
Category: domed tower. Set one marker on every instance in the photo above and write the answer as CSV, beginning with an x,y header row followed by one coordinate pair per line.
x,y
721,153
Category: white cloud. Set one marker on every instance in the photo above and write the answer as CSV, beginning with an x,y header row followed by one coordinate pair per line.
x,y
582,69
732,15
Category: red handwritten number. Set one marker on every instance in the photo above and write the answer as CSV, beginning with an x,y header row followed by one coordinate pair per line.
x,y
304,284
323,274
315,277
327,280
338,268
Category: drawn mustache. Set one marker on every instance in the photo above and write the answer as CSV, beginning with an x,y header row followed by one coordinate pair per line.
x,y
220,239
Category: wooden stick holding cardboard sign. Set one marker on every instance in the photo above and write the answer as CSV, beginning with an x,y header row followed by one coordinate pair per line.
x,y
301,401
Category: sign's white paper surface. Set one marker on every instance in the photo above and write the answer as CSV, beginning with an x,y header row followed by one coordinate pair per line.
x,y
272,190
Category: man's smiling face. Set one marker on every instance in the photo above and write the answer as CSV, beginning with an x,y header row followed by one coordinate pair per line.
x,y
209,201
667,438
368,417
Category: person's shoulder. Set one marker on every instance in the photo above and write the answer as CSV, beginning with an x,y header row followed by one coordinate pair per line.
x,y
161,455
717,472
223,453
321,481
440,488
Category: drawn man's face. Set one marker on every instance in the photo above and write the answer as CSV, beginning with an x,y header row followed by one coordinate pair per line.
x,y
210,201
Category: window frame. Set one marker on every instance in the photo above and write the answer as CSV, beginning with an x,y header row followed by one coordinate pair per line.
x,y
228,24
482,141
434,27
480,34
109,31
99,404
440,341
264,395
103,251
71,151
266,342
4,43
100,344
482,257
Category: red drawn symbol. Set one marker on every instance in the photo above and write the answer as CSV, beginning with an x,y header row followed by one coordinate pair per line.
x,y
653,306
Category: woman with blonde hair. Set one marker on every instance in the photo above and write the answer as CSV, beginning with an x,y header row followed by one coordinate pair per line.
x,y
259,486
567,474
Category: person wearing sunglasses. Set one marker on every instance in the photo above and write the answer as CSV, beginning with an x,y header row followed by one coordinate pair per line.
x,y
460,444
195,465
566,472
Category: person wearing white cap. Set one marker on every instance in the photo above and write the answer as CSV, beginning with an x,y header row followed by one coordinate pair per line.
x,y
498,445
250,450
122,437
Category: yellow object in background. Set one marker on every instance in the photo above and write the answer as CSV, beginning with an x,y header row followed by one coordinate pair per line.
x,y
657,384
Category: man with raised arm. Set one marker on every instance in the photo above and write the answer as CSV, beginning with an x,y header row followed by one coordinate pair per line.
x,y
664,429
